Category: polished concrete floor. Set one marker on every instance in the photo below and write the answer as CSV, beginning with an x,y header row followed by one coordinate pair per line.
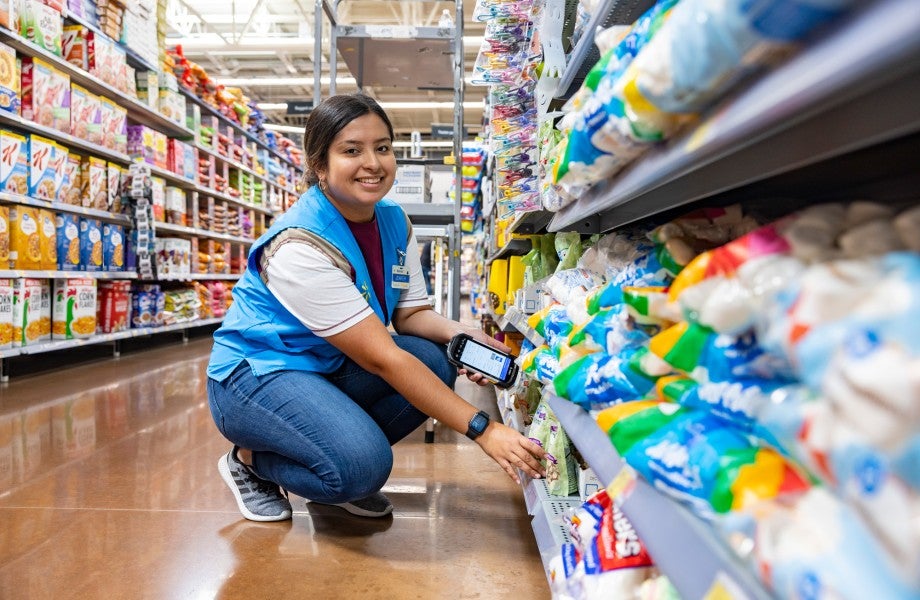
x,y
109,489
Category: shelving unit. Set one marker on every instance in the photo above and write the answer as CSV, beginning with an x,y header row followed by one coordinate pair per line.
x,y
512,248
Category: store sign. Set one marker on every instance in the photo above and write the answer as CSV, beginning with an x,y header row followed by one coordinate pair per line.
x,y
299,107
439,131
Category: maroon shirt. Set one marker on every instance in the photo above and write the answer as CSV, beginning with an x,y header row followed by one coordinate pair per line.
x,y
368,237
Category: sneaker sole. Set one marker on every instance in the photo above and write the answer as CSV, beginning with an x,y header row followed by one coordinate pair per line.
x,y
225,474
360,512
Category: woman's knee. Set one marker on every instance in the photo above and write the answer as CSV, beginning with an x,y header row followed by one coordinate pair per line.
x,y
359,475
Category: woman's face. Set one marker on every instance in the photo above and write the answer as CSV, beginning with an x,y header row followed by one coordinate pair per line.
x,y
361,167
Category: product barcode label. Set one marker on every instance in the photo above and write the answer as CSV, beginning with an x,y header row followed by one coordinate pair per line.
x,y
408,190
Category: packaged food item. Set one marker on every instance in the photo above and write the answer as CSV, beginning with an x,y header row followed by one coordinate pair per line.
x,y
175,206
42,25
71,181
173,256
90,244
94,175
9,14
113,185
59,98
14,163
158,198
44,319
114,306
73,46
42,178
113,247
68,241
146,306
27,306
25,240
10,80
47,232
4,237
84,114
6,313
74,309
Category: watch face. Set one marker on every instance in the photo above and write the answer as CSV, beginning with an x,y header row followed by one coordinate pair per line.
x,y
479,423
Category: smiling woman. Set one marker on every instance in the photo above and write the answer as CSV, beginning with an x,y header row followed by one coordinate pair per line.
x,y
305,378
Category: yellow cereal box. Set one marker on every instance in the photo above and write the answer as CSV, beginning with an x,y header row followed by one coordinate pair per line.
x,y
4,237
47,234
73,314
25,240
6,313
27,306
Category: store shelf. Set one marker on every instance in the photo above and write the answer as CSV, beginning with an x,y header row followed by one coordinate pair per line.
x,y
683,546
17,122
811,109
105,338
6,198
192,231
426,213
531,222
210,110
514,247
187,277
133,58
585,54
242,167
550,530
41,274
138,111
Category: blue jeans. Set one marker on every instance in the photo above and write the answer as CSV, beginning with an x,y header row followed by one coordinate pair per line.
x,y
324,437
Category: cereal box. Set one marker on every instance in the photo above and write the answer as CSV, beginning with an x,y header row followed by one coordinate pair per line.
x,y
9,80
27,306
59,97
173,256
42,178
37,78
41,24
25,241
176,212
84,114
158,198
6,313
114,306
58,162
9,14
44,319
68,241
119,126
146,303
74,309
113,185
71,182
90,244
4,237
14,163
47,234
94,175
73,45
107,122
98,54
160,149
113,247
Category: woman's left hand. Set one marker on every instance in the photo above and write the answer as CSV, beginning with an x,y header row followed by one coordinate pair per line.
x,y
481,336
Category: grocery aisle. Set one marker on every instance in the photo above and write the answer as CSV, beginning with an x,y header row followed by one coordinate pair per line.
x,y
108,480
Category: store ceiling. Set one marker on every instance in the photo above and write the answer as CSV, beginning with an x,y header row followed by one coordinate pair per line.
x,y
266,48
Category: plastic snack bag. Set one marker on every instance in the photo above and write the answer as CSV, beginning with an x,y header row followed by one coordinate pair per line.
x,y
599,380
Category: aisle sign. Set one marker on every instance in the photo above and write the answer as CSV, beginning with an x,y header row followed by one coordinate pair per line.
x,y
442,131
299,107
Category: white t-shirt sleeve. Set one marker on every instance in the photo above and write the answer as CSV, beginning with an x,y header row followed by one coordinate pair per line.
x,y
313,289
417,294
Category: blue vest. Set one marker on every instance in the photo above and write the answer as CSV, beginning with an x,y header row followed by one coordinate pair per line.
x,y
257,327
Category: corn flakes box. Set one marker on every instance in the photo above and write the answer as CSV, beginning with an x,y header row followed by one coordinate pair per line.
x,y
113,247
47,234
14,163
37,91
27,306
68,241
44,319
42,178
4,237
69,191
6,313
25,240
90,244
94,174
73,313
42,25
9,80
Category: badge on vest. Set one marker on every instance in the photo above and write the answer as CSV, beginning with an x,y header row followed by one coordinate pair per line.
x,y
400,278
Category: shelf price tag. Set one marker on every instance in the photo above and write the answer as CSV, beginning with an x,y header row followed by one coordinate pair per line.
x,y
622,484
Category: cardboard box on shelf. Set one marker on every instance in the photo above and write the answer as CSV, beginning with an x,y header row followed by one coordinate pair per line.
x,y
90,244
27,306
47,235
14,163
94,176
68,241
25,243
74,309
10,80
42,25
411,184
6,313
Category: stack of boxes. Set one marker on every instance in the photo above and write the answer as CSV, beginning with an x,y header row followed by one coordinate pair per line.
x,y
139,30
412,184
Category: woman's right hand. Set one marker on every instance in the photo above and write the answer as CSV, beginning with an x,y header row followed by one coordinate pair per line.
x,y
512,451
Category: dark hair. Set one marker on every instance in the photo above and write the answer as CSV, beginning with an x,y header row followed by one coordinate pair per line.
x,y
326,121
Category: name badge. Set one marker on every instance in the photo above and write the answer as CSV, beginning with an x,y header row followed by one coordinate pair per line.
x,y
400,277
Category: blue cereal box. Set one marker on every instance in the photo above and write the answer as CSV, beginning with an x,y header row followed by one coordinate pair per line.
x,y
90,244
113,247
14,163
68,241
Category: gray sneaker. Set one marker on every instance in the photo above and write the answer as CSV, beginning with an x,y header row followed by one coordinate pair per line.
x,y
258,499
375,505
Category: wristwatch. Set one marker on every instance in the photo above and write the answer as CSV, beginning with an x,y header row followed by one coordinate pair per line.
x,y
478,424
